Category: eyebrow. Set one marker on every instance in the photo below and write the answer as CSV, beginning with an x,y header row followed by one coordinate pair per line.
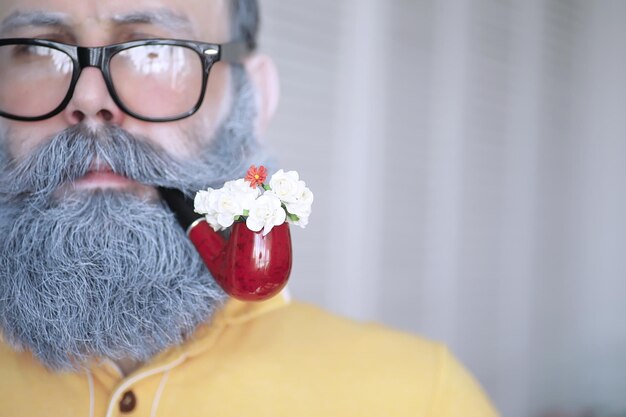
x,y
19,19
164,18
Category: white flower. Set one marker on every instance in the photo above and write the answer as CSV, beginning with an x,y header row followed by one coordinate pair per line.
x,y
222,206
301,207
206,202
227,208
265,213
242,192
201,201
287,186
288,199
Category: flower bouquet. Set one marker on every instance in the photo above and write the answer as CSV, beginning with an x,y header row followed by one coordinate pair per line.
x,y
262,206
255,263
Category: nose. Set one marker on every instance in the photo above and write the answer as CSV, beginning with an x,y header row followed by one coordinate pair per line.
x,y
91,102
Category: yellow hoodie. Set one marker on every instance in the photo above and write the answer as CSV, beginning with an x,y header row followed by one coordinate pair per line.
x,y
270,359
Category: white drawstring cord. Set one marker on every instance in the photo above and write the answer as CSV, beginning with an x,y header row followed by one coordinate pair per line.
x,y
159,392
91,393
139,377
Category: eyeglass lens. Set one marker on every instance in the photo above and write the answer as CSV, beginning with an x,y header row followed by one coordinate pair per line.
x,y
157,81
34,79
153,81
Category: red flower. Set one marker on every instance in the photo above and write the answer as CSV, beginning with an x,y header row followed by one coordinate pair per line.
x,y
256,176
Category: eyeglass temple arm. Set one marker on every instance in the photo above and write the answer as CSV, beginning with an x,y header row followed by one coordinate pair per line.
x,y
235,52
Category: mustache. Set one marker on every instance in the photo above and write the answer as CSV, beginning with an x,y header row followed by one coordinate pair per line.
x,y
73,152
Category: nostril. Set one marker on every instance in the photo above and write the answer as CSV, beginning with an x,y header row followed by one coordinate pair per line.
x,y
78,116
106,115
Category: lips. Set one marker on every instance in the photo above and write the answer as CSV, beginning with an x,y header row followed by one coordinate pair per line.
x,y
102,176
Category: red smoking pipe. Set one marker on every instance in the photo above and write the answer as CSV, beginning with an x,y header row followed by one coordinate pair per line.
x,y
248,266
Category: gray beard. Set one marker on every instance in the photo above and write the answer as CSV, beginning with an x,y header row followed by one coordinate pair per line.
x,y
107,273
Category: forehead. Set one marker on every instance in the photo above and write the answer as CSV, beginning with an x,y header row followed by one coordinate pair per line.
x,y
206,20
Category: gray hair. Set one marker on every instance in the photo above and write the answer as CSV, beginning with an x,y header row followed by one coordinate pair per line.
x,y
245,21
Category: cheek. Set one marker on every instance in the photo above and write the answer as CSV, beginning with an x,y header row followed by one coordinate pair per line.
x,y
185,138
21,138
217,101
172,137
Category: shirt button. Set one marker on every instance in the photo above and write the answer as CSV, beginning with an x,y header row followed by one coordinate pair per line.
x,y
128,402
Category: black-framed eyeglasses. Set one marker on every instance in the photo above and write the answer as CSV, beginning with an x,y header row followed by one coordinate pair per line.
x,y
155,80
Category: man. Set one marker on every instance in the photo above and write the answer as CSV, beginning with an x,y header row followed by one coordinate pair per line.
x,y
105,307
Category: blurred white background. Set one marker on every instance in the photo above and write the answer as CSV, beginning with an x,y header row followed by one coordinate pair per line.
x,y
468,160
